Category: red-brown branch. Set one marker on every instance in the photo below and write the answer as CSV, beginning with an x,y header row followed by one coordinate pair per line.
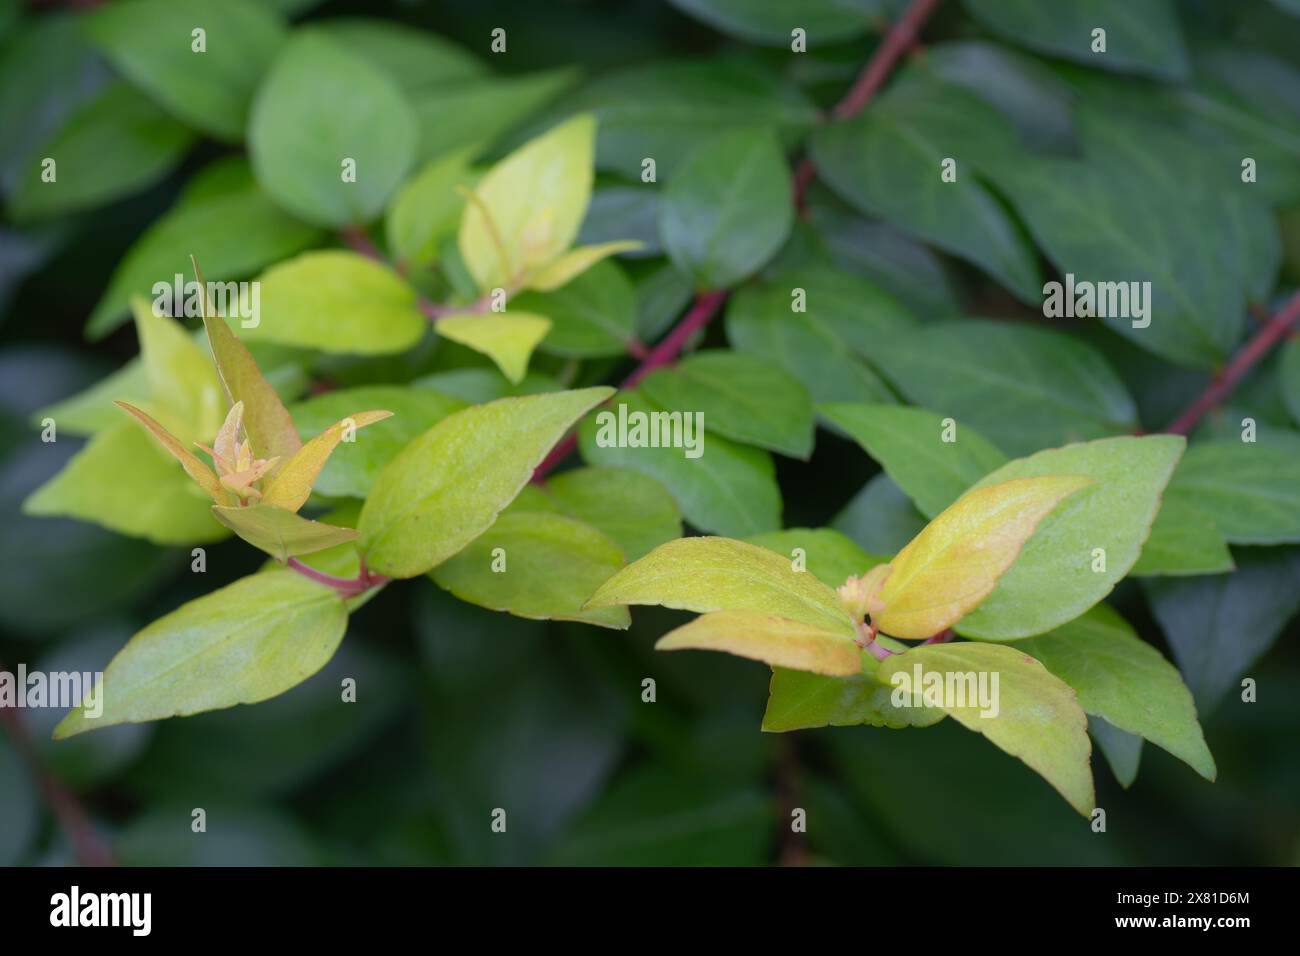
x,y
72,818
1274,331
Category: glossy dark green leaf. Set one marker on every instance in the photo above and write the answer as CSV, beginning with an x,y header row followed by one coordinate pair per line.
x,y
728,209
152,43
592,315
1023,387
112,146
414,59
728,489
1140,38
1251,488
880,517
771,22
633,509
888,160
1123,751
911,445
742,397
1185,540
1219,626
827,554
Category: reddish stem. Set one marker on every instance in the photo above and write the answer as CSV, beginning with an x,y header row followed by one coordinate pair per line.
x,y
897,41
90,850
943,637
1273,332
347,587
356,237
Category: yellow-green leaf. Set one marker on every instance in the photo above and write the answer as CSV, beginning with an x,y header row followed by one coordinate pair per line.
x,y
507,338
526,211
1033,715
575,262
721,574
184,389
774,640
194,467
280,533
244,643
448,486
291,486
953,564
266,420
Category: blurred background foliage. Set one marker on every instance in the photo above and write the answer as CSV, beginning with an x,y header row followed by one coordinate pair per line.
x,y
461,710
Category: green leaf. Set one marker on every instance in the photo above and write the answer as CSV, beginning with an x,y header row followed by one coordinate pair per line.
x,y
887,162
830,557
1037,719
151,42
1122,226
244,643
281,533
880,517
594,315
727,489
742,397
770,22
414,59
798,700
320,108
1219,626
1053,581
952,565
354,466
201,473
507,338
772,640
634,510
1140,38
1251,488
527,209
659,110
719,574
110,147
337,301
1126,681
728,209
230,234
426,210
1123,751
474,114
184,389
1184,540
548,566
447,487
842,320
910,444
124,481
291,483
1024,388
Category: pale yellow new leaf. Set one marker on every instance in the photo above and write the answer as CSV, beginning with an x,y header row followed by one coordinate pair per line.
x,y
292,483
953,564
575,262
194,467
773,640
183,385
507,338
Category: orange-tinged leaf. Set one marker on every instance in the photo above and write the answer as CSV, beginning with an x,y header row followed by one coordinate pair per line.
x,y
193,466
266,420
953,564
774,640
292,483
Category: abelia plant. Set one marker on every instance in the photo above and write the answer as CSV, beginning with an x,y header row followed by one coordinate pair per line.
x,y
961,383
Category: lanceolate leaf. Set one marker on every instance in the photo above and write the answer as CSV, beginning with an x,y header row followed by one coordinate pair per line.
x,y
291,485
634,509
537,565
244,643
1088,544
719,574
1121,678
930,456
281,534
1252,488
447,487
774,640
1037,716
728,209
194,466
953,564
799,700
270,429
